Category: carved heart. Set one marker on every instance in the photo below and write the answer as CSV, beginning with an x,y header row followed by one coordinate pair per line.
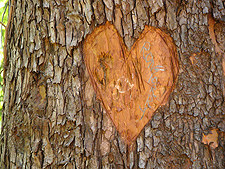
x,y
131,85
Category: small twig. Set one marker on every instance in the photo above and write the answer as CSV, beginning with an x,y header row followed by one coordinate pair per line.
x,y
2,24
5,10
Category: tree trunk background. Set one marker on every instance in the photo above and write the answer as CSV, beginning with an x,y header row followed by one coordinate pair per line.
x,y
52,118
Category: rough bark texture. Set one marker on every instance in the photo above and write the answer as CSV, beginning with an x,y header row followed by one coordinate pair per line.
x,y
52,118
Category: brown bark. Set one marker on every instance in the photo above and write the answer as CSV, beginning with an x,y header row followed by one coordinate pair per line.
x,y
52,118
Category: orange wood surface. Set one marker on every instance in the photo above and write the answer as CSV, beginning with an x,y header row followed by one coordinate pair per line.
x,y
131,84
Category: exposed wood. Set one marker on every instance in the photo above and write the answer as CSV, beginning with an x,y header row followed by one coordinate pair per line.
x,y
212,34
131,85
211,139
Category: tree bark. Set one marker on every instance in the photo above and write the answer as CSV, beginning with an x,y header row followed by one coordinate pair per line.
x,y
52,118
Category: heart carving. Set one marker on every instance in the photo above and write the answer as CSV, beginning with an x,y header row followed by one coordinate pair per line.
x,y
131,84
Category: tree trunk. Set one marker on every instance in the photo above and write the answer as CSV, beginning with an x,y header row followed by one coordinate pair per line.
x,y
52,117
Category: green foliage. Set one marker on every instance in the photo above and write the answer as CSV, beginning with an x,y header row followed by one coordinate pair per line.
x,y
3,20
